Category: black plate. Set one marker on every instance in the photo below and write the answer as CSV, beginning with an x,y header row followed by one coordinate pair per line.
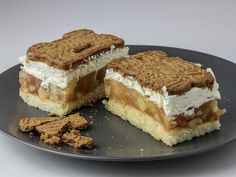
x,y
117,140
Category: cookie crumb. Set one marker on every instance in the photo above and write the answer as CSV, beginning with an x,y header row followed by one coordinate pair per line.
x,y
55,130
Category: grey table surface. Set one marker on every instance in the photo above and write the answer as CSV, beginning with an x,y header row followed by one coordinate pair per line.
x,y
203,25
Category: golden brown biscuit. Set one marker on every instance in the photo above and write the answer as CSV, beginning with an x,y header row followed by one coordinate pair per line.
x,y
51,129
77,121
29,124
73,49
154,70
74,139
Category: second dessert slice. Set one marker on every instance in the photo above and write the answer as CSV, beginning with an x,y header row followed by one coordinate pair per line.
x,y
171,99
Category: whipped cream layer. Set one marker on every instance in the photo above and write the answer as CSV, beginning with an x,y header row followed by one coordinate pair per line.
x,y
50,75
171,104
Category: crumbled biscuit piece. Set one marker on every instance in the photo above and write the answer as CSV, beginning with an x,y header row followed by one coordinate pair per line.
x,y
50,139
29,124
74,139
77,121
53,130
56,128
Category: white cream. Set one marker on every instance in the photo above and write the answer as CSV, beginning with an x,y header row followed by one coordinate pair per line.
x,y
50,75
171,104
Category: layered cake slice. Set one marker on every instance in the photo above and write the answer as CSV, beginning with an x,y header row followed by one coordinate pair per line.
x,y
171,99
67,73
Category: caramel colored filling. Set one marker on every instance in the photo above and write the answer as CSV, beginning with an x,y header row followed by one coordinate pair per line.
x,y
207,112
75,89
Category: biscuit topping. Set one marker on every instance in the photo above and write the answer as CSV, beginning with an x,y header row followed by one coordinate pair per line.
x,y
73,49
155,70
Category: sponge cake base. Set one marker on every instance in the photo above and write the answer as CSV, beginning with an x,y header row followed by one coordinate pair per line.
x,y
154,128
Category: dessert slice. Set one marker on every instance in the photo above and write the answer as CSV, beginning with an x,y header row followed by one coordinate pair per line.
x,y
171,99
67,73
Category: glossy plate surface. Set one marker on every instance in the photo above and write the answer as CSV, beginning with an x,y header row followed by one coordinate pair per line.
x,y
117,140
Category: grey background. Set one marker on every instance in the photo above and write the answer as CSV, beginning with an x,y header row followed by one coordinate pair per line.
x,y
203,25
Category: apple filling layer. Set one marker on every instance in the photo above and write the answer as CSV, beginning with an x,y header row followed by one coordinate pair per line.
x,y
207,112
75,89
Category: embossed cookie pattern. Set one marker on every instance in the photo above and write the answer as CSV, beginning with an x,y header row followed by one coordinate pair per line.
x,y
154,70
